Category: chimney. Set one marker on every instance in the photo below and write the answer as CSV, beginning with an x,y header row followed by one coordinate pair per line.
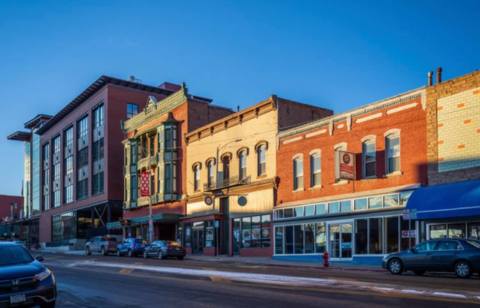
x,y
439,75
429,78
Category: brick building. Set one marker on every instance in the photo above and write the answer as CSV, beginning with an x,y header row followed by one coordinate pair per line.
x,y
76,159
231,178
345,181
450,207
11,208
155,149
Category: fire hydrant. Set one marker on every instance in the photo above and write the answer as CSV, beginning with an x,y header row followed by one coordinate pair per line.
x,y
326,261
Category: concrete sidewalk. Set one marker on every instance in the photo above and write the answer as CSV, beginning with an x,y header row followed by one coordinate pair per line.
x,y
272,262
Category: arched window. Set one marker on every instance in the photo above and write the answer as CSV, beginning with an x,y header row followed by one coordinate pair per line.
x,y
297,173
242,164
211,172
369,160
392,149
315,169
261,159
196,177
226,167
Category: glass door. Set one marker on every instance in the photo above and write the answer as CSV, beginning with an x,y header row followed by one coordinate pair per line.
x,y
340,240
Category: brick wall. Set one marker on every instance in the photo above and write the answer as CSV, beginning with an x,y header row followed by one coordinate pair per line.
x,y
406,117
453,129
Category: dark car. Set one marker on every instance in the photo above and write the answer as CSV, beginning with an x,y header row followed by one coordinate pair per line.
x,y
101,244
23,279
164,249
131,247
446,255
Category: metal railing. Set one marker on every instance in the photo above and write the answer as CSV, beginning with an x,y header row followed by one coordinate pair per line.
x,y
224,183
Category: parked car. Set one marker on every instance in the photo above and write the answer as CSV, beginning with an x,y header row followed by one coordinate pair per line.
x,y
164,249
446,255
101,244
131,247
24,280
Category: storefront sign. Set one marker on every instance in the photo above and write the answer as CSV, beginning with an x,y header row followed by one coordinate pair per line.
x,y
345,170
145,184
409,233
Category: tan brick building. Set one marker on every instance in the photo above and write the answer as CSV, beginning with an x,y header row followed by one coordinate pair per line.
x,y
450,206
231,178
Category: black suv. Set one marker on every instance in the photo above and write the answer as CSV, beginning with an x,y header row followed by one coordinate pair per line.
x,y
23,279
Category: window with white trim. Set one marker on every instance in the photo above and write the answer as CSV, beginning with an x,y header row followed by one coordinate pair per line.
x,y
369,159
297,173
392,149
315,169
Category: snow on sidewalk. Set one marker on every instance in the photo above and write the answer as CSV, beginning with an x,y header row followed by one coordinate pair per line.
x,y
281,279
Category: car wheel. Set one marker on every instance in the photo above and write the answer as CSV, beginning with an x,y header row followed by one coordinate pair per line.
x,y
130,253
419,273
463,269
87,251
395,266
103,251
48,305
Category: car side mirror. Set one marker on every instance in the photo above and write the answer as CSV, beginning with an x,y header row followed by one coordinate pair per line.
x,y
39,258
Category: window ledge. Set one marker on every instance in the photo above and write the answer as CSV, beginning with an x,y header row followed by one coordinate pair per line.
x,y
341,182
316,187
298,190
261,176
396,173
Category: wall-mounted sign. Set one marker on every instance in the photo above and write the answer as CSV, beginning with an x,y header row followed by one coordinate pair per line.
x,y
409,233
208,200
345,168
242,200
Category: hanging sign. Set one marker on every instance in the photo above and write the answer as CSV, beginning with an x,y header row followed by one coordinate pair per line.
x,y
345,165
145,184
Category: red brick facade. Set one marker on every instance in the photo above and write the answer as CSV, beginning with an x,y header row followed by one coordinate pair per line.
x,y
403,114
10,205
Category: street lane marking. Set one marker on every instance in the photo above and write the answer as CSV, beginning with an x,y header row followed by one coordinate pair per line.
x,y
408,291
126,271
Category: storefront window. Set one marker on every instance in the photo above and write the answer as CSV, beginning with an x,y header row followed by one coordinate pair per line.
x,y
375,202
309,238
361,236
408,233
438,231
256,231
360,204
209,234
266,226
392,234
299,211
320,209
289,239
188,235
404,195
376,236
346,206
474,231
246,232
288,213
310,210
64,227
279,240
298,232
320,238
334,207
456,230
279,214
390,200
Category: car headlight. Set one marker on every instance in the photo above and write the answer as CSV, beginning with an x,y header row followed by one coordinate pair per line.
x,y
43,275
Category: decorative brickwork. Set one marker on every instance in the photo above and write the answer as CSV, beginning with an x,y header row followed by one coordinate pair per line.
x,y
453,122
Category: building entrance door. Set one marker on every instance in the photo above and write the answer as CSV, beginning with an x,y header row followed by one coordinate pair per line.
x,y
197,237
340,240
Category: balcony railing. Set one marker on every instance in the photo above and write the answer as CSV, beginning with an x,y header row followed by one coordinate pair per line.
x,y
224,183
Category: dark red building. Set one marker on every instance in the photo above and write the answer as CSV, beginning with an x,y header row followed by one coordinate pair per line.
x,y
79,153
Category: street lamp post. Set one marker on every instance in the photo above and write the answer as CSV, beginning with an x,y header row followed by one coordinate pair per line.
x,y
150,218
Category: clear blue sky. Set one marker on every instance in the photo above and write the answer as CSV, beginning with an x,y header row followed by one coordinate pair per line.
x,y
337,54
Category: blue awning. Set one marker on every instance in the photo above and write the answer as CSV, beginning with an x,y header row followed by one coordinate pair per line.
x,y
456,200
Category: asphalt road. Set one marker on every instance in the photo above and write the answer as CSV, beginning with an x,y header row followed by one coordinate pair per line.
x,y
123,282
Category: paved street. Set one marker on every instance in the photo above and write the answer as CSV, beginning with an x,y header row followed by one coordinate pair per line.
x,y
122,282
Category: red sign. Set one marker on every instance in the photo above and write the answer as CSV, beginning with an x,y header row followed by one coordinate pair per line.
x,y
346,165
145,184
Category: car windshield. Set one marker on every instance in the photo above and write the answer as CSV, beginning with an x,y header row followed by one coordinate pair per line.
x,y
475,244
14,254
